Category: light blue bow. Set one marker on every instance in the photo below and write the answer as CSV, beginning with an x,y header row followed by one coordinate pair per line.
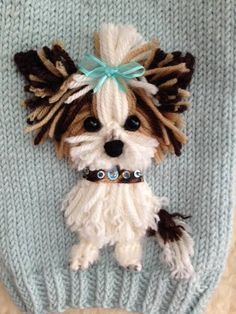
x,y
93,67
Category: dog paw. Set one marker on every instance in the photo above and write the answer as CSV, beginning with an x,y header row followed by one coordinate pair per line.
x,y
76,265
134,267
82,256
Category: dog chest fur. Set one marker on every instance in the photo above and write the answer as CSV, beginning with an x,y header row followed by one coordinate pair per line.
x,y
110,213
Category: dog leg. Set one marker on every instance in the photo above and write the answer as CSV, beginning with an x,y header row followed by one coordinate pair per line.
x,y
129,254
83,255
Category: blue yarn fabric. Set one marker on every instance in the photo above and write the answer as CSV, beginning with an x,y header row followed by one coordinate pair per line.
x,y
34,241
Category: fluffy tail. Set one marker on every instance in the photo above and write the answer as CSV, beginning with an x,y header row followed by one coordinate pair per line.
x,y
174,238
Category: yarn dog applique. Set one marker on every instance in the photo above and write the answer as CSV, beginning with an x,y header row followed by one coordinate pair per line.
x,y
110,117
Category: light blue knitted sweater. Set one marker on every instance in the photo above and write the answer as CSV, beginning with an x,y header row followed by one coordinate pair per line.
x,y
34,241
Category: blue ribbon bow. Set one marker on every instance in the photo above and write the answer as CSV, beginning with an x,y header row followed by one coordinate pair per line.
x,y
93,67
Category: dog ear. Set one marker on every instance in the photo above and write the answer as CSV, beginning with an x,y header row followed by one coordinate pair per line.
x,y
171,73
49,72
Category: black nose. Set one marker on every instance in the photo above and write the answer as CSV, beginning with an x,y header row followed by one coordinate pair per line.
x,y
114,148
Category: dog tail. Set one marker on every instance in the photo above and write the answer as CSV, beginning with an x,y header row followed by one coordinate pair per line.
x,y
173,235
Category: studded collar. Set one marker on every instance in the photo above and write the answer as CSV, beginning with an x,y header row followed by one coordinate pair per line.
x,y
114,175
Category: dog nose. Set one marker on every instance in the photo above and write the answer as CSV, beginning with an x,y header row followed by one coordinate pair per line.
x,y
114,148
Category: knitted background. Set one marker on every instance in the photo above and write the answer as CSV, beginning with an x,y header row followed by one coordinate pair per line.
x,y
34,241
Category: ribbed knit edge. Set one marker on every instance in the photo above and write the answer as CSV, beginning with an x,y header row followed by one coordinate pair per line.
x,y
11,288
81,290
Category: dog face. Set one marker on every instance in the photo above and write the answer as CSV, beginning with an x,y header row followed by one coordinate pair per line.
x,y
113,144
113,135
109,127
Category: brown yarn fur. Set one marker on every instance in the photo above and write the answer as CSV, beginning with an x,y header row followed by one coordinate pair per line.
x,y
76,128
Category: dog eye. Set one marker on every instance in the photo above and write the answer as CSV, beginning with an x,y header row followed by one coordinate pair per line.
x,y
92,124
132,123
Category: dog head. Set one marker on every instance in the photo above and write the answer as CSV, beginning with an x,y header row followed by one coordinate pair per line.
x,y
104,121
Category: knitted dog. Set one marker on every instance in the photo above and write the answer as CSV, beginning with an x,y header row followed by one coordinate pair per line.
x,y
110,117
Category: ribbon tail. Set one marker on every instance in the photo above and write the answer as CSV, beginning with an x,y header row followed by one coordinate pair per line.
x,y
99,84
121,83
131,70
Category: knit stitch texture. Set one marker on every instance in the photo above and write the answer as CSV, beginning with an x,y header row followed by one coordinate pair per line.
x,y
34,241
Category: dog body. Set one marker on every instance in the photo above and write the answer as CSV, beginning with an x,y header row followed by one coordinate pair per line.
x,y
115,214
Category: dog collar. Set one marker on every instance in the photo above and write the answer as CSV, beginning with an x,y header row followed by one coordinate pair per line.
x,y
114,175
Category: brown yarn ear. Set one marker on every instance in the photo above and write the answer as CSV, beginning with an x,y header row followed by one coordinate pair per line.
x,y
171,73
48,72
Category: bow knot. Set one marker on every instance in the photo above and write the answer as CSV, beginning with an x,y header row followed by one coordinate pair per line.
x,y
111,71
95,68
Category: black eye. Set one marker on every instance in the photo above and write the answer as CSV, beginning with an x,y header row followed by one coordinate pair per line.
x,y
92,124
132,123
